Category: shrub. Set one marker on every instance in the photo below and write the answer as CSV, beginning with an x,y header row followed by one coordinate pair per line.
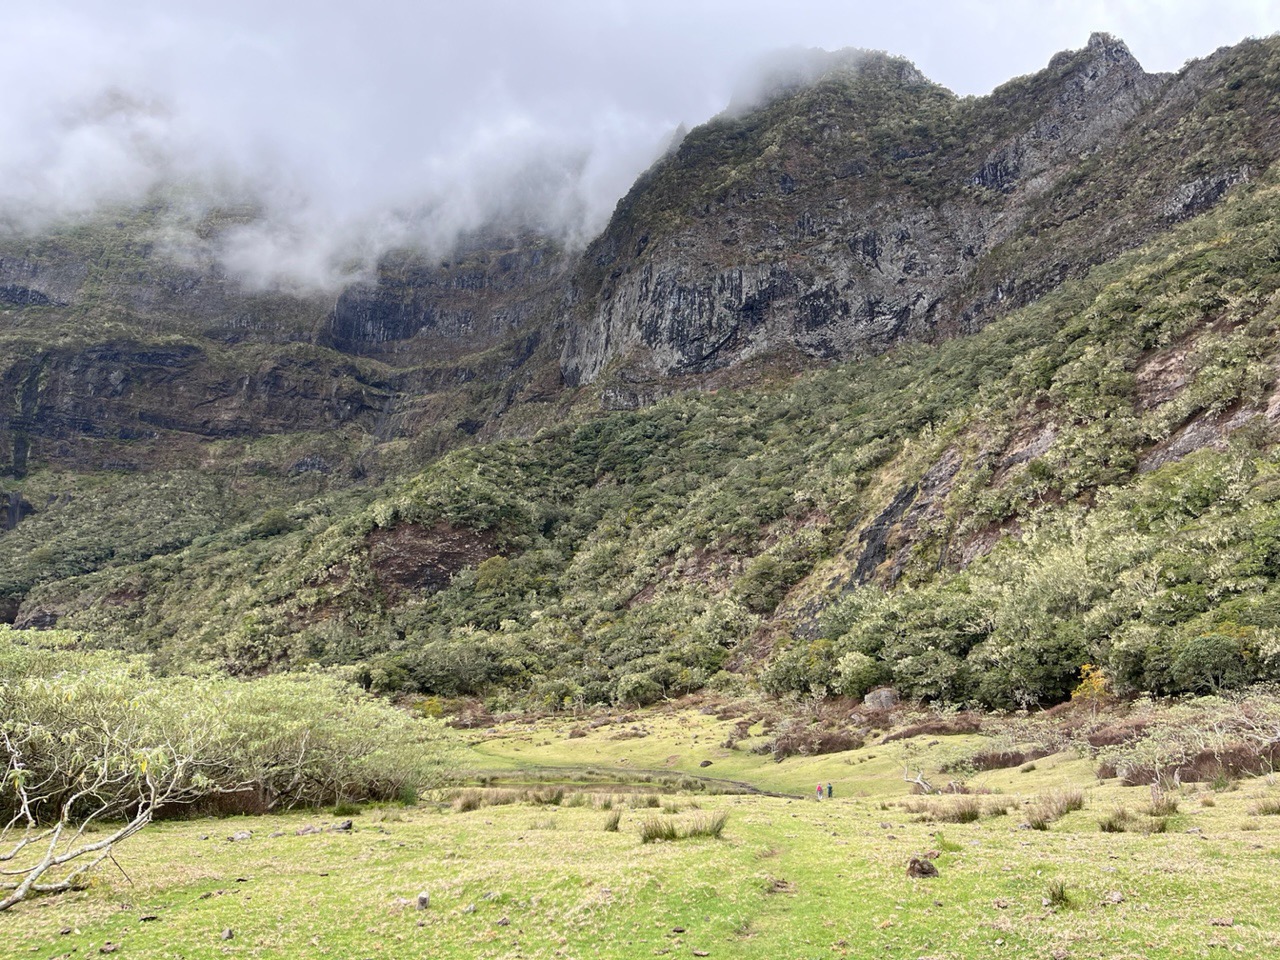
x,y
611,822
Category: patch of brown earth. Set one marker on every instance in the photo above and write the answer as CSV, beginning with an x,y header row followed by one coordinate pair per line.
x,y
412,558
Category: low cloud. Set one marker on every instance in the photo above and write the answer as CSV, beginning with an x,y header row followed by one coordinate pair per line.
x,y
353,131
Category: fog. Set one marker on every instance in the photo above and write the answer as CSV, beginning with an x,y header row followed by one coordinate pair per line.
x,y
357,128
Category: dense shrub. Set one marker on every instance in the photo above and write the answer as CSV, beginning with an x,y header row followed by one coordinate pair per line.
x,y
310,739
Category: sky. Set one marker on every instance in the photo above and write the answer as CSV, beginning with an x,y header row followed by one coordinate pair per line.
x,y
365,126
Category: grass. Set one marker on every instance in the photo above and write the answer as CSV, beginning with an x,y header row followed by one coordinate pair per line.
x,y
1054,806
700,825
744,876
578,890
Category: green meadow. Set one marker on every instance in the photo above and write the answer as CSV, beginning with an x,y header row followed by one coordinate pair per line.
x,y
520,861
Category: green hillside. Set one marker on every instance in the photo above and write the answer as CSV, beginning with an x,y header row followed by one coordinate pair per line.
x,y
1089,480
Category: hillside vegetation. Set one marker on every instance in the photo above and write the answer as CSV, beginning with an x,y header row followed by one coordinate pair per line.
x,y
1091,479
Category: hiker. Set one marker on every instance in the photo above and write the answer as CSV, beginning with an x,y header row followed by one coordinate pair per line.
x,y
829,791
819,791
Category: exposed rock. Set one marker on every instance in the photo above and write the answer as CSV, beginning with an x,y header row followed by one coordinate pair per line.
x,y
424,900
921,867
882,698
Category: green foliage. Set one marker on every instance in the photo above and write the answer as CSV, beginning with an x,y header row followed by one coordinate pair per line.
x,y
304,739
1089,480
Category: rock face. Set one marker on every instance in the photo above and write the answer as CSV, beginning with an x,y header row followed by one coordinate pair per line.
x,y
491,289
829,222
189,357
855,206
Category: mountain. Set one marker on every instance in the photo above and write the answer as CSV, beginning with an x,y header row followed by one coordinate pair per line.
x,y
863,382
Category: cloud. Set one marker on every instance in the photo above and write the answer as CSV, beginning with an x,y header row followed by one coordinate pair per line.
x,y
358,129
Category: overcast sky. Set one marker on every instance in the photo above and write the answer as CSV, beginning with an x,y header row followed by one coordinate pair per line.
x,y
364,125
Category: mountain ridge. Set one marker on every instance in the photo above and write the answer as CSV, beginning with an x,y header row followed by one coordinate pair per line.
x,y
824,406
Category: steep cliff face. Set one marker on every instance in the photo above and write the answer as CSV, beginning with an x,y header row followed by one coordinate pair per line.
x,y
491,289
115,354
875,207
835,218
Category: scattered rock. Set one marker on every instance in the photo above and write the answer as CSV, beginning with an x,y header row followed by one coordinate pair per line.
x,y
469,908
306,831
933,854
1002,904
504,922
147,918
424,900
240,835
109,947
677,929
921,867
64,931
342,827
1195,830
705,763
278,833
1115,896
227,934
701,953
883,698
1222,922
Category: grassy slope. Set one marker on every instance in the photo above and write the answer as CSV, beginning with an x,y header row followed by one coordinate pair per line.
x,y
789,878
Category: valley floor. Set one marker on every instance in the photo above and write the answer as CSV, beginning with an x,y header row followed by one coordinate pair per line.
x,y
538,874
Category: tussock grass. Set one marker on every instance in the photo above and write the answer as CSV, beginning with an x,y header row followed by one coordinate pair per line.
x,y
963,810
1266,807
1054,806
1117,821
656,828
611,822
1164,803
701,825
1056,895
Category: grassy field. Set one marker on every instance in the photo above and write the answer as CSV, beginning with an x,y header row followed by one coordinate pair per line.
x,y
790,877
